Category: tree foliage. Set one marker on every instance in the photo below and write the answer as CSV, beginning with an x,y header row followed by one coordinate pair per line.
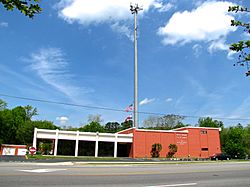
x,y
95,118
235,141
209,122
30,112
16,126
241,47
92,127
126,124
25,133
165,122
27,7
247,139
3,105
112,127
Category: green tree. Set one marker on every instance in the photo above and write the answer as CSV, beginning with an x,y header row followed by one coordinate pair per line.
x,y
165,122
247,139
3,105
241,47
92,127
27,7
16,126
209,122
6,126
10,121
95,118
235,142
126,124
25,133
30,112
112,127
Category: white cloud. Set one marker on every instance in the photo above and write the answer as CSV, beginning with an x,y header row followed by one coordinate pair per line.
x,y
123,29
63,120
51,66
218,45
114,12
169,99
197,50
208,22
222,46
230,55
163,7
4,24
95,11
146,101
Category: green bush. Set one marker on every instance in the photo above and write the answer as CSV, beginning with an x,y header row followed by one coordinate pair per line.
x,y
172,150
156,148
44,148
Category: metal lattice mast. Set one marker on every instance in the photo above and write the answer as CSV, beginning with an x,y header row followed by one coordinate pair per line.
x,y
134,10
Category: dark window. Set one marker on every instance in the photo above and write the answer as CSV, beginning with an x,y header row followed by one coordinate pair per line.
x,y
204,149
203,132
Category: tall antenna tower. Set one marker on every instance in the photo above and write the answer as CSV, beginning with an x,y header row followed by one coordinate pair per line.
x,y
134,10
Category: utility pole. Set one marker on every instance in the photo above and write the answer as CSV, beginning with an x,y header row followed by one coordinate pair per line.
x,y
134,10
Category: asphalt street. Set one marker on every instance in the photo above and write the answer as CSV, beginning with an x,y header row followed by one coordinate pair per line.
x,y
163,175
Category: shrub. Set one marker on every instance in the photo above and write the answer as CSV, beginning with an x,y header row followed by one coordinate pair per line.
x,y
172,150
45,148
156,148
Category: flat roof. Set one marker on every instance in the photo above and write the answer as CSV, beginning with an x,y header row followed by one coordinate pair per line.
x,y
190,127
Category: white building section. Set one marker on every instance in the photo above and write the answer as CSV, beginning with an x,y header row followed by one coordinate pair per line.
x,y
81,136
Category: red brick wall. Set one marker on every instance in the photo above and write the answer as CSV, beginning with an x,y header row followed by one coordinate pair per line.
x,y
214,142
181,140
198,142
143,141
194,143
201,139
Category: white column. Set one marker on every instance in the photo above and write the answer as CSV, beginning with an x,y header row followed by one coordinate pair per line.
x,y
56,142
115,146
34,138
77,143
96,144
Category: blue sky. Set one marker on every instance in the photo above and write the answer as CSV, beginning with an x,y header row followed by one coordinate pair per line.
x,y
81,52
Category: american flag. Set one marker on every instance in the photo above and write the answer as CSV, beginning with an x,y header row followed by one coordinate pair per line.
x,y
128,118
129,108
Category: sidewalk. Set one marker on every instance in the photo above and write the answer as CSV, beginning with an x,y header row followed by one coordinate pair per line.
x,y
90,160
45,159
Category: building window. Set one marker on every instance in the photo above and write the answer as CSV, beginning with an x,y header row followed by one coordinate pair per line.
x,y
203,132
204,149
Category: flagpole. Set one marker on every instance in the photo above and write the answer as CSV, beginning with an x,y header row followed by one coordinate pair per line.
x,y
134,10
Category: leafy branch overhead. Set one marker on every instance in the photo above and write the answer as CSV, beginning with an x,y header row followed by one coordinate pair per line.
x,y
241,47
27,7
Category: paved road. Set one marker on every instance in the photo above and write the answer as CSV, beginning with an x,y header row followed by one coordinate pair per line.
x,y
202,174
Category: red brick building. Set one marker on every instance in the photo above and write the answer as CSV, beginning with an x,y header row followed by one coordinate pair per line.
x,y
196,142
